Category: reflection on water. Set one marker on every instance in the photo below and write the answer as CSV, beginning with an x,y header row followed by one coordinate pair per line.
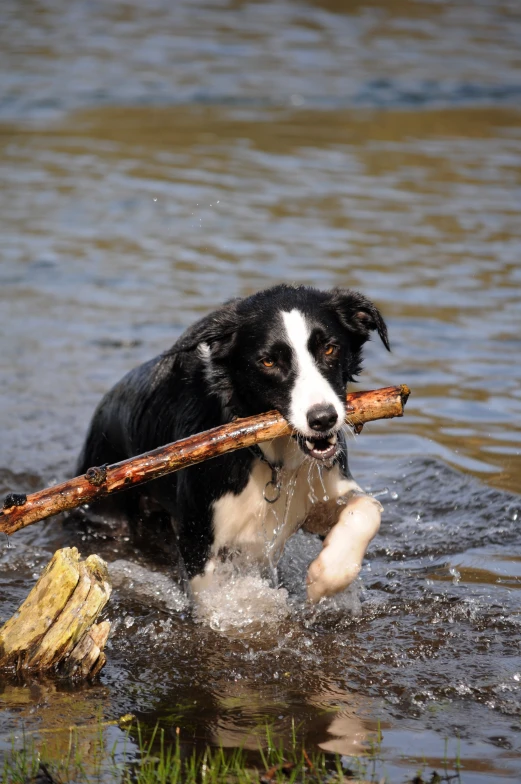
x,y
158,158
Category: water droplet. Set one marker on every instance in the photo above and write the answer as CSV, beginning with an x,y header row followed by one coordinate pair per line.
x,y
321,477
378,493
455,575
394,495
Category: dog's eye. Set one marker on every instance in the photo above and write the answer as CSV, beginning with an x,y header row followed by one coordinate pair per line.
x,y
331,350
268,362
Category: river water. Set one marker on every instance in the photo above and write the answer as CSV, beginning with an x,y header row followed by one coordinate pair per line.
x,y
157,158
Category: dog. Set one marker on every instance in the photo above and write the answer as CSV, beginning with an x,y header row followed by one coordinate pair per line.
x,y
290,348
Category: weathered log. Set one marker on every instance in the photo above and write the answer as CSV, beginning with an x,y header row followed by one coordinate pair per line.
x,y
20,510
87,658
54,628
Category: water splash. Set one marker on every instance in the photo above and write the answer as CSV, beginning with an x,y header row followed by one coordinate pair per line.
x,y
153,589
240,602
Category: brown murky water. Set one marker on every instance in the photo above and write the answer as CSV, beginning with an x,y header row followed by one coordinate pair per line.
x,y
157,158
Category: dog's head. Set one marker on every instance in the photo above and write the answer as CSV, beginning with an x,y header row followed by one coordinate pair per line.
x,y
290,348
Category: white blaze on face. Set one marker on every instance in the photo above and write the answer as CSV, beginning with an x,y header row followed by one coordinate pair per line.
x,y
310,387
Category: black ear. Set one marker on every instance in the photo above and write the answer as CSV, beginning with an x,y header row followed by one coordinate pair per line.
x,y
217,331
359,315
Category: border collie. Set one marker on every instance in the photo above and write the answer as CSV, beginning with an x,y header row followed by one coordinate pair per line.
x,y
290,348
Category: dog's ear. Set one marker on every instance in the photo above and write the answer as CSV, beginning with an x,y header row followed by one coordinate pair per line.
x,y
359,315
213,333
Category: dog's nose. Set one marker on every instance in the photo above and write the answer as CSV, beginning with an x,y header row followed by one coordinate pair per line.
x,y
322,418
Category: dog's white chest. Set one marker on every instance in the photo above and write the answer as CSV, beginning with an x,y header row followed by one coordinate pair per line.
x,y
248,523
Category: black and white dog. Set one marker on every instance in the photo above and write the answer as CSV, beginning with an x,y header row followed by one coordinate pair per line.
x,y
290,348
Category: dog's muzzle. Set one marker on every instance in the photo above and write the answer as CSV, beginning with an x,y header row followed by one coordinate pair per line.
x,y
323,444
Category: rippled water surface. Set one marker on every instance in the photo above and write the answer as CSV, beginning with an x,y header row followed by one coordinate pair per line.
x,y
157,158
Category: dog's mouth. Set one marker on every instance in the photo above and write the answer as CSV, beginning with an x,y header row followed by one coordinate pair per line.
x,y
320,448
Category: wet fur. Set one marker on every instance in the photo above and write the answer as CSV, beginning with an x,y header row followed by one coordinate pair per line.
x,y
211,375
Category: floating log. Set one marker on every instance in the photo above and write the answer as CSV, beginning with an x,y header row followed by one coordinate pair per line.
x,y
54,629
20,510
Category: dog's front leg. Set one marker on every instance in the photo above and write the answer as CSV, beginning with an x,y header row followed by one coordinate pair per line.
x,y
344,547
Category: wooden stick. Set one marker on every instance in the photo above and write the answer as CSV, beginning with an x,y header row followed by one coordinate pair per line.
x,y
20,510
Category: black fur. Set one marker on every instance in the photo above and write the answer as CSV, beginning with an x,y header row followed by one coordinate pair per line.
x,y
189,389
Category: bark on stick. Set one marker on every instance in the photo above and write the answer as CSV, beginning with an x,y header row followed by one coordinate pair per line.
x,y
20,511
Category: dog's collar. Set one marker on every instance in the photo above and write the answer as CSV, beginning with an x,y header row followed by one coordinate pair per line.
x,y
271,492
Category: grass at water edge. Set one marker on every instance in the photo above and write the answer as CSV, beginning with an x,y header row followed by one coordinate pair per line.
x,y
158,761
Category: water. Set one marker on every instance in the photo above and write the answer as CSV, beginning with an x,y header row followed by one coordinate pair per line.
x,y
158,158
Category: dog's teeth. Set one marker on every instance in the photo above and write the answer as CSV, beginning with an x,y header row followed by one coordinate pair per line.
x,y
310,445
332,439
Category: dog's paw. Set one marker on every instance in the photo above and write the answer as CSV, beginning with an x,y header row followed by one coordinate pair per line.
x,y
340,561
